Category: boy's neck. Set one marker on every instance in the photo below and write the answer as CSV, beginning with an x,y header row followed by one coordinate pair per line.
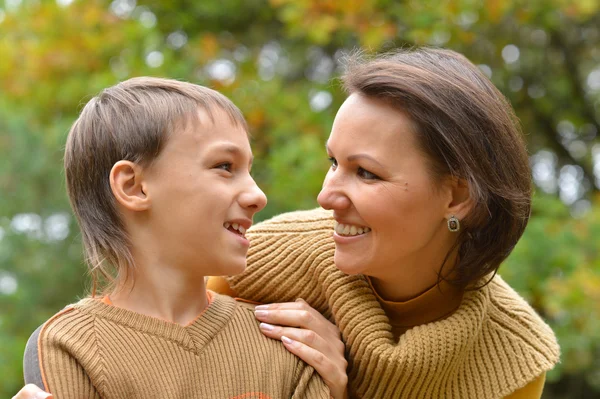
x,y
164,293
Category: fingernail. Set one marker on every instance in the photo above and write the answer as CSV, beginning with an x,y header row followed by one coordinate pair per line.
x,y
300,300
43,395
261,307
261,313
266,327
286,340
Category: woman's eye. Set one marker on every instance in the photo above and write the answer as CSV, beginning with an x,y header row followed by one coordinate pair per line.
x,y
365,174
333,162
226,166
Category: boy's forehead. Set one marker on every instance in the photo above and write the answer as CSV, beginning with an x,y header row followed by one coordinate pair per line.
x,y
214,120
209,128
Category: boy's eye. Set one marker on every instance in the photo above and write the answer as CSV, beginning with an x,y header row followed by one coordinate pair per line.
x,y
333,162
226,166
365,174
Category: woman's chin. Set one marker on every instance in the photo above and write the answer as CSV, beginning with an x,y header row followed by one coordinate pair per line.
x,y
348,265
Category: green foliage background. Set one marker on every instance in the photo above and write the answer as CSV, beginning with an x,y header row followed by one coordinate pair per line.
x,y
278,59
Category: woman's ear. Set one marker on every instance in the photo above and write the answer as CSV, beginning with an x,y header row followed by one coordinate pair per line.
x,y
128,186
461,203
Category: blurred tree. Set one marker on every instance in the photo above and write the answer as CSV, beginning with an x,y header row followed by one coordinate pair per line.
x,y
276,59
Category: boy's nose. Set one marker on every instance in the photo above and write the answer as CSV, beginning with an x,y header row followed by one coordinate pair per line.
x,y
332,197
253,198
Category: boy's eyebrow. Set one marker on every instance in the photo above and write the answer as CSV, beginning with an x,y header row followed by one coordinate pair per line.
x,y
233,149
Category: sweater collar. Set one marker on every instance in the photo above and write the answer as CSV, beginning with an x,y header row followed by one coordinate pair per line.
x,y
435,303
193,336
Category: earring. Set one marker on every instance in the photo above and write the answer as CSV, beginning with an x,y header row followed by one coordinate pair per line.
x,y
453,224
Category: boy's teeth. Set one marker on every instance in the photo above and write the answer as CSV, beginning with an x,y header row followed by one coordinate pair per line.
x,y
350,230
235,226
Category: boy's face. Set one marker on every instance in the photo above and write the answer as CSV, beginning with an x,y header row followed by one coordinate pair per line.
x,y
199,186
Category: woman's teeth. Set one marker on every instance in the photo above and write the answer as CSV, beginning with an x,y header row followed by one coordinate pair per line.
x,y
350,230
236,227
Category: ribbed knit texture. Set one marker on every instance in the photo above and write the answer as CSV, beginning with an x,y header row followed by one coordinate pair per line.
x,y
492,345
92,349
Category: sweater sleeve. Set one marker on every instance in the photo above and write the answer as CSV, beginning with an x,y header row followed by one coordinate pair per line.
x,y
59,367
533,390
309,384
289,257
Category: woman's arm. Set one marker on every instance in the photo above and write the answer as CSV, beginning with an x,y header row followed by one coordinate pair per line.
x,y
311,337
290,257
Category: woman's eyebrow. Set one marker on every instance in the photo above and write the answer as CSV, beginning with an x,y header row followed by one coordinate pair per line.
x,y
354,157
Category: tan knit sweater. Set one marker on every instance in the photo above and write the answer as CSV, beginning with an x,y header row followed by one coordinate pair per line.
x,y
92,349
492,345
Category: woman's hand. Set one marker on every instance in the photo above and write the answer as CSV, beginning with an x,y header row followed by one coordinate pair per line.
x,y
311,337
31,391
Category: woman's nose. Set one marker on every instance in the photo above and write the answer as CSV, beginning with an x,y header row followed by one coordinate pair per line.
x,y
332,195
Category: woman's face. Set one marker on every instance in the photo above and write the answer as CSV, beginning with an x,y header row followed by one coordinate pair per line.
x,y
391,215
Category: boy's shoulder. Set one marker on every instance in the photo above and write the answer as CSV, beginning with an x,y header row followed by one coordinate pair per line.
x,y
74,315
246,304
61,327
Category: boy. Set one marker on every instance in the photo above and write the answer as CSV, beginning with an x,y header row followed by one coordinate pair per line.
x,y
158,175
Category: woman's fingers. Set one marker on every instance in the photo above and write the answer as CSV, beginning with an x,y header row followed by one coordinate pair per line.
x,y
334,376
307,337
31,391
329,344
295,314
310,336
286,317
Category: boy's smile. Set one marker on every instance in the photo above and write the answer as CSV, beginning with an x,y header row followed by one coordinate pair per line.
x,y
238,227
203,197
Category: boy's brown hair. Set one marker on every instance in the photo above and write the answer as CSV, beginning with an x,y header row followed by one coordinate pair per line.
x,y
130,121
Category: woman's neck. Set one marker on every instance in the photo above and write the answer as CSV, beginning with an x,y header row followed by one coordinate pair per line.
x,y
422,298
436,303
407,278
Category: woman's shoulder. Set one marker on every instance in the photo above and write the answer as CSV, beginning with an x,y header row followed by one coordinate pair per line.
x,y
512,319
508,308
515,335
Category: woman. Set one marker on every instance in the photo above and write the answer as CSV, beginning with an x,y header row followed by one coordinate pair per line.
x,y
429,191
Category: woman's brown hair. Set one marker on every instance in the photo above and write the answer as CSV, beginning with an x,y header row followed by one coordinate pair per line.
x,y
129,121
467,129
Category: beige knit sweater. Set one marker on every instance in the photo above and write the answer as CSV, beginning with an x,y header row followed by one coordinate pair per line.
x,y
492,345
92,349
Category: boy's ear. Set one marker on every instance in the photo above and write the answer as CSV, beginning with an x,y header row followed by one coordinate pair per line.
x,y
128,186
460,203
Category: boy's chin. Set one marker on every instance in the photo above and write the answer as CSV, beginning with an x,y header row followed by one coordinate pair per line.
x,y
232,269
